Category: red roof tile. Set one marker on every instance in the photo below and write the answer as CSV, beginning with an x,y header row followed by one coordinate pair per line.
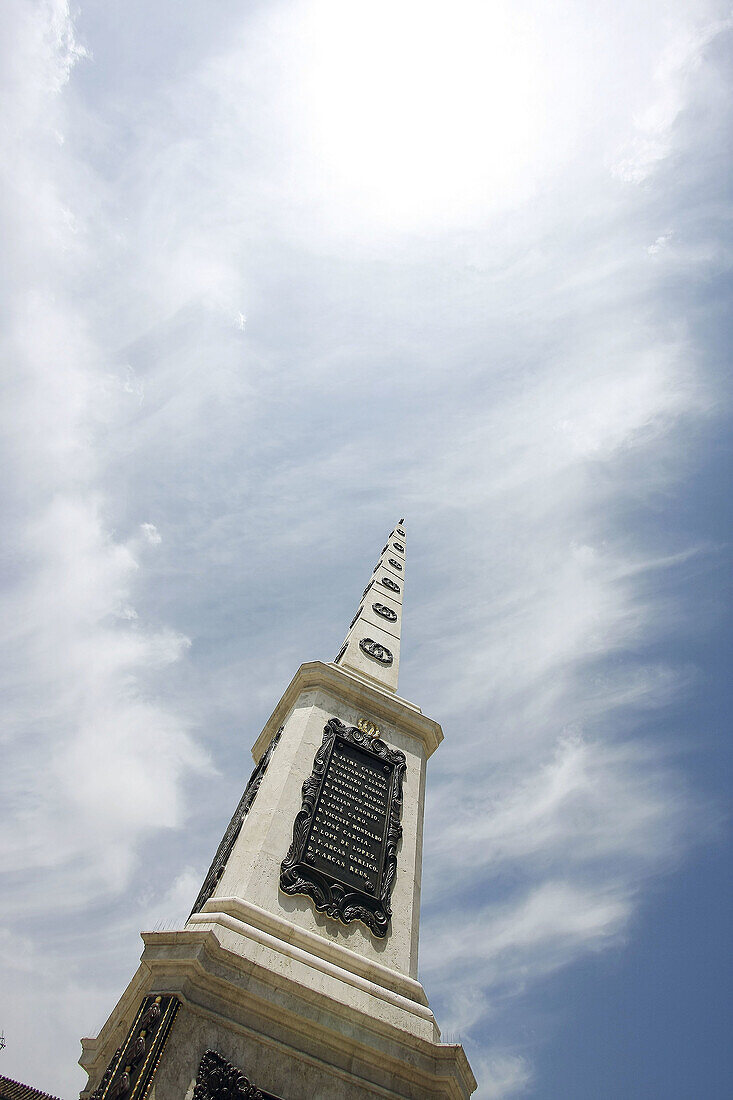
x,y
15,1090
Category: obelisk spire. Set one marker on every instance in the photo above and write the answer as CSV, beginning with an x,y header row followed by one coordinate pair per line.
x,y
372,646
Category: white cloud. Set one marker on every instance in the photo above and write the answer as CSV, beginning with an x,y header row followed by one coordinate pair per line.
x,y
133,385
519,388
502,1073
94,755
660,243
503,946
654,124
608,799
151,533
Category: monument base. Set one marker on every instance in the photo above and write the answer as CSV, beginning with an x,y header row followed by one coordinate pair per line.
x,y
274,1018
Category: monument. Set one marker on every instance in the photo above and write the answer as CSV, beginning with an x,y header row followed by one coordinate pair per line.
x,y
296,972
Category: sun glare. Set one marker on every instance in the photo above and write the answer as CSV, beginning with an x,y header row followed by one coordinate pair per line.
x,y
423,110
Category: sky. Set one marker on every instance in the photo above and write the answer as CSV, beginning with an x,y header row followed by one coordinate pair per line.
x,y
274,275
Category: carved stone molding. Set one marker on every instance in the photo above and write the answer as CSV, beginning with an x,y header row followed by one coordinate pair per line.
x,y
130,1072
218,1079
400,532
389,583
216,870
386,612
339,899
399,546
376,650
395,564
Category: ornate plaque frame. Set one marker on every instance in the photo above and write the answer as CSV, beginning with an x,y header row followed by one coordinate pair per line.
x,y
338,900
218,1079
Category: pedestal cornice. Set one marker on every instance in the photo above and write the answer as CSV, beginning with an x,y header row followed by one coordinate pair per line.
x,y
288,937
374,701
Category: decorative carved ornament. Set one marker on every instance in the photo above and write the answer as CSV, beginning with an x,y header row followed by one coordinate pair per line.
x,y
389,583
368,727
130,1073
233,829
376,650
355,618
400,532
337,898
399,546
218,1079
340,653
101,1088
386,612
395,564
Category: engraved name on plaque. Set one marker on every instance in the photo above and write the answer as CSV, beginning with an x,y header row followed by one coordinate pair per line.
x,y
344,850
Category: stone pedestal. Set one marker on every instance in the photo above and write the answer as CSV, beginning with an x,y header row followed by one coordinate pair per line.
x,y
294,1024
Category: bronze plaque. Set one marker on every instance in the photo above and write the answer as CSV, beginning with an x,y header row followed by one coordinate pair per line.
x,y
349,827
344,850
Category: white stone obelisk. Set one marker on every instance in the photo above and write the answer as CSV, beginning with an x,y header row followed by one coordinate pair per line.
x,y
263,990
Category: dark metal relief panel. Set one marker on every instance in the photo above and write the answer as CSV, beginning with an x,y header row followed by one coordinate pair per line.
x,y
130,1073
216,870
376,650
218,1079
344,850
